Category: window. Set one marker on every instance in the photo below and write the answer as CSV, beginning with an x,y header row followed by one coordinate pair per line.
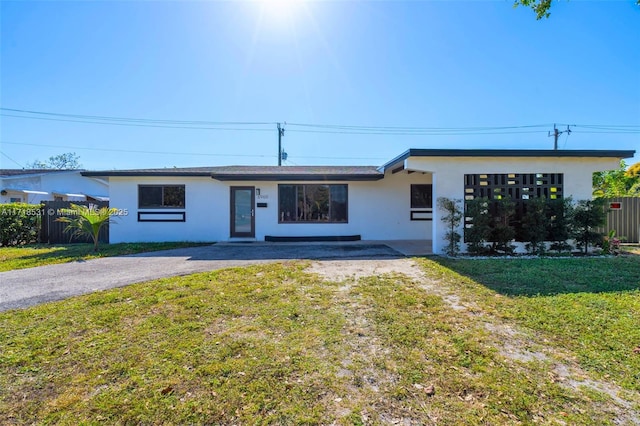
x,y
312,203
421,196
15,200
161,196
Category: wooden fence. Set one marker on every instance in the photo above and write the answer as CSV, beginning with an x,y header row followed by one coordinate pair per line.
x,y
624,218
52,232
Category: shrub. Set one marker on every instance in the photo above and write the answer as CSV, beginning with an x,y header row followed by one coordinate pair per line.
x,y
560,223
87,221
478,230
452,219
535,225
502,233
19,224
588,215
611,243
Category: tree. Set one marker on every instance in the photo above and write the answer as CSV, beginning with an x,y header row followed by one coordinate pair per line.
x,y
87,221
634,170
66,161
541,7
617,183
560,223
478,233
452,219
535,224
589,215
502,233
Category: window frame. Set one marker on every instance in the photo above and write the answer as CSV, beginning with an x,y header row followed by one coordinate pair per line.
x,y
330,203
162,206
415,186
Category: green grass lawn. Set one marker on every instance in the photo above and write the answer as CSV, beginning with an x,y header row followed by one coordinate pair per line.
x,y
44,254
273,344
589,306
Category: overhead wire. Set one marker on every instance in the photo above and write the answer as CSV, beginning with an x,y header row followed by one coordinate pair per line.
x,y
21,166
199,154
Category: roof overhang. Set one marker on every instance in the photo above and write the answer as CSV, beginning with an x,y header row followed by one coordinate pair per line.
x,y
26,191
398,162
97,197
267,177
110,173
68,194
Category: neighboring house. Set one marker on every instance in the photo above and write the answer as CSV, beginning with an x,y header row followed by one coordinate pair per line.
x,y
35,185
393,202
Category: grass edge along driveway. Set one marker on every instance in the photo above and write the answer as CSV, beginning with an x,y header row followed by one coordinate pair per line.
x,y
30,256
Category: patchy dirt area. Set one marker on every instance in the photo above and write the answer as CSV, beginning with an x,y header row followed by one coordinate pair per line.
x,y
342,270
516,345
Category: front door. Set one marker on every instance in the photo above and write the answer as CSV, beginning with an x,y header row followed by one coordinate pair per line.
x,y
242,211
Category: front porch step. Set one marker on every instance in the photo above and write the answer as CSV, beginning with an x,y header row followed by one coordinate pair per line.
x,y
241,240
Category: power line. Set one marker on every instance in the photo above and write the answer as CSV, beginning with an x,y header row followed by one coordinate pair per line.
x,y
21,166
143,120
425,133
177,153
404,128
137,125
302,127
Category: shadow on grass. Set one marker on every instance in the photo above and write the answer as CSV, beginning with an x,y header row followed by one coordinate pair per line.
x,y
44,254
548,276
282,251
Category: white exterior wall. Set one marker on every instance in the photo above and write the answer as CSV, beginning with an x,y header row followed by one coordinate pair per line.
x,y
74,183
377,210
63,182
449,177
206,210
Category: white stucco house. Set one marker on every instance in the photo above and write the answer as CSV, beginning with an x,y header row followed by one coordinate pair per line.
x,y
396,201
33,186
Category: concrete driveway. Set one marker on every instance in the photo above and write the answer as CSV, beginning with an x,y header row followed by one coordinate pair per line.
x,y
27,287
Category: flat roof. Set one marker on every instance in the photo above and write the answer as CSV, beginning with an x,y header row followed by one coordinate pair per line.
x,y
174,171
258,173
509,153
297,173
16,173
348,173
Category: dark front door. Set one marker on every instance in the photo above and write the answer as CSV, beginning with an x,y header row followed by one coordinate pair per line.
x,y
243,211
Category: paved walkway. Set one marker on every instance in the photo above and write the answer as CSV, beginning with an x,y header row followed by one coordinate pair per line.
x,y
27,287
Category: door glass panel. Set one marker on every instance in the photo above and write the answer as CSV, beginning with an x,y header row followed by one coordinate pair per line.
x,y
242,220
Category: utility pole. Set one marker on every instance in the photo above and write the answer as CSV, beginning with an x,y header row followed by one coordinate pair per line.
x,y
280,135
556,135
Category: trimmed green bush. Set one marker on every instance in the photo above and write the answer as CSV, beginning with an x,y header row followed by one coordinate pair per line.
x,y
478,231
453,218
588,216
535,225
19,224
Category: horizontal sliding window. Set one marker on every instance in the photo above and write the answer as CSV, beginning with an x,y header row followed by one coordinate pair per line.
x,y
161,196
312,203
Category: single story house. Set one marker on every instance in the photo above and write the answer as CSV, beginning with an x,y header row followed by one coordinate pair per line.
x,y
396,201
33,186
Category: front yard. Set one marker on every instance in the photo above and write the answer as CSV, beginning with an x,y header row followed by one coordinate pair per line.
x,y
525,341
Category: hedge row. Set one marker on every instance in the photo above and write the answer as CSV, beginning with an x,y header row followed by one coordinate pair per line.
x,y
19,224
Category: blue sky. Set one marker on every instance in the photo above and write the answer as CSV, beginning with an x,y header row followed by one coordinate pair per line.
x,y
420,64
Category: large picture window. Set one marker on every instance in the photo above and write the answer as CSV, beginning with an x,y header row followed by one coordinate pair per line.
x,y
312,203
161,196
